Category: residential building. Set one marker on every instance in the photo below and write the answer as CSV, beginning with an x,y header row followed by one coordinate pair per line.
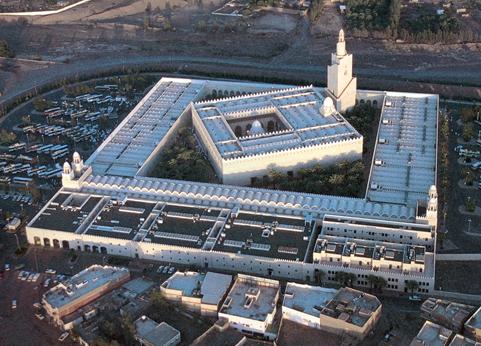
x,y
150,333
446,313
432,334
199,292
81,289
250,306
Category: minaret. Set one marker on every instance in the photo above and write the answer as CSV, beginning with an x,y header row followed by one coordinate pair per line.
x,y
432,206
67,174
341,85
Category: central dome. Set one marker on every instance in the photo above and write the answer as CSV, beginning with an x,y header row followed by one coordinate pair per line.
x,y
256,128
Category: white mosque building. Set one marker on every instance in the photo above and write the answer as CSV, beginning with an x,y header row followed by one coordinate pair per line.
x,y
109,204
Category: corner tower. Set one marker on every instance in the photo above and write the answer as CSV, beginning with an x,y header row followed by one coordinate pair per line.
x,y
341,85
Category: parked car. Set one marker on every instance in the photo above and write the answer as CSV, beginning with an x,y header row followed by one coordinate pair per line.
x,y
40,316
63,336
46,283
415,298
172,270
14,304
165,270
159,270
50,271
7,267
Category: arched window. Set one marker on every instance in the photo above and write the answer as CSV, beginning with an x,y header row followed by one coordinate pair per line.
x,y
65,244
37,241
270,126
103,249
56,243
238,131
87,248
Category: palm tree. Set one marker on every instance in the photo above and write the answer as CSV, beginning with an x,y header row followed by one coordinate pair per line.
x,y
372,279
381,283
341,278
412,285
319,276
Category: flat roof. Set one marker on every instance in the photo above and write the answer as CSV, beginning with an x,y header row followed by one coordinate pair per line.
x,y
251,297
406,148
475,320
432,334
274,237
83,283
307,299
155,333
293,113
292,333
66,212
460,340
126,149
352,306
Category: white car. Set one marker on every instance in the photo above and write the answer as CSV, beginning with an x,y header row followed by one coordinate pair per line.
x,y
63,336
14,304
415,298
40,316
35,277
50,271
46,283
30,277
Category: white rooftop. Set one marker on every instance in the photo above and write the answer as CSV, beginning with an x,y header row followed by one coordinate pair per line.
x,y
404,160
295,111
252,298
127,148
307,299
213,286
83,283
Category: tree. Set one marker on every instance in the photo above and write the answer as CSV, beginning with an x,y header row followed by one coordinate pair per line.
x,y
412,285
345,279
319,276
380,283
372,279
470,204
5,50
468,132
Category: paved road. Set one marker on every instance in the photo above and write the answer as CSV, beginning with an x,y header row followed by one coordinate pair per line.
x,y
369,77
458,257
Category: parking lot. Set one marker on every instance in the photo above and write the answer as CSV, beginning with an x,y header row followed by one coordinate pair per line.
x,y
464,229
20,326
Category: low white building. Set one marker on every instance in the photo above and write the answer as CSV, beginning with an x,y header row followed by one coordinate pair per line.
x,y
250,306
343,311
150,333
199,292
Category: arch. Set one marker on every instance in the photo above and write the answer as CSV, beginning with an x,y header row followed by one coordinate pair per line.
x,y
270,126
87,248
56,243
46,242
374,103
214,93
37,241
363,101
226,93
237,93
238,131
65,244
95,248
103,249
248,127
368,102
232,93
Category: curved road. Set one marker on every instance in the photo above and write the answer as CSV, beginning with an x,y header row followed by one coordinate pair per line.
x,y
369,77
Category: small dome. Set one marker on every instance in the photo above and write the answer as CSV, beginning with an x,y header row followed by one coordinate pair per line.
x,y
256,128
327,107
433,190
76,157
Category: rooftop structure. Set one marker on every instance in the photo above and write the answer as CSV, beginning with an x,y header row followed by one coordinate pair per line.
x,y
197,291
460,340
432,334
130,145
298,124
404,160
82,288
251,304
446,313
307,299
151,333
472,327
